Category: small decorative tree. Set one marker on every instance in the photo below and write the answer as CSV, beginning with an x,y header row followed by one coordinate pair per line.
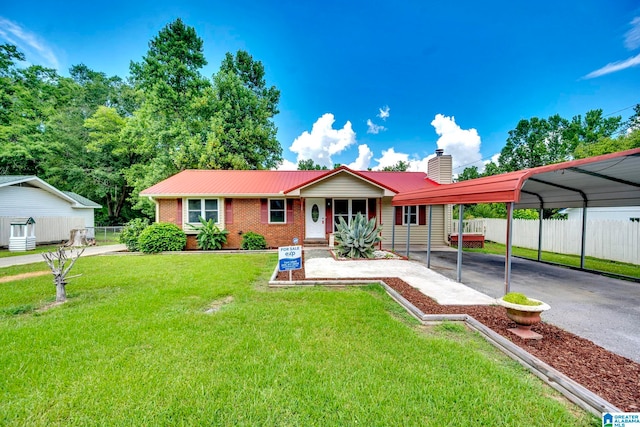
x,y
57,262
357,240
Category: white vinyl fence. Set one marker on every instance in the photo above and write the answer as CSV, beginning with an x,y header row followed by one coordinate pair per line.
x,y
612,240
47,229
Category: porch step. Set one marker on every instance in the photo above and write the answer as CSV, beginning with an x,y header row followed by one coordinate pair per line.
x,y
314,243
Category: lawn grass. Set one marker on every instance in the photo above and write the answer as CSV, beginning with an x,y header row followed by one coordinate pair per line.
x,y
590,263
135,345
102,239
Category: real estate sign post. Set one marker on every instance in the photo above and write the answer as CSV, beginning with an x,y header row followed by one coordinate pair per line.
x,y
289,258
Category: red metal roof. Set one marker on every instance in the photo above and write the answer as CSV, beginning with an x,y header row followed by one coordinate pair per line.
x,y
269,182
607,180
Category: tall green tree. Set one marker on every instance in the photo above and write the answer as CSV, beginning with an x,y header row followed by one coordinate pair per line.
x,y
593,127
470,172
536,142
310,165
400,166
170,71
242,133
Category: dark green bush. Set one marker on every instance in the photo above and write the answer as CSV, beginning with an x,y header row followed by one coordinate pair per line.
x,y
131,233
160,237
209,235
253,241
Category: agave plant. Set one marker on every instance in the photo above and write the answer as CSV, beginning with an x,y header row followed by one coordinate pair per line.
x,y
357,240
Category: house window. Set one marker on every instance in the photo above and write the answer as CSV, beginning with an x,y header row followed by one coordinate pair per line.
x,y
347,209
206,208
277,211
410,215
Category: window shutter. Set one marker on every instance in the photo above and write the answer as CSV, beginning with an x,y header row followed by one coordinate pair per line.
x,y
179,212
289,211
228,211
399,210
422,215
264,211
372,208
329,220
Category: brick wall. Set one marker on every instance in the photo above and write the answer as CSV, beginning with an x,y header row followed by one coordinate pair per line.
x,y
168,209
246,217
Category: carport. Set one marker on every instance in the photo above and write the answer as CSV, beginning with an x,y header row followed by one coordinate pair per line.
x,y
607,180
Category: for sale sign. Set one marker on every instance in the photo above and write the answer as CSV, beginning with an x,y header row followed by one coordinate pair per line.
x,y
289,258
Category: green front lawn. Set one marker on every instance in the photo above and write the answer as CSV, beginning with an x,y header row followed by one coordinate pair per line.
x,y
135,345
590,263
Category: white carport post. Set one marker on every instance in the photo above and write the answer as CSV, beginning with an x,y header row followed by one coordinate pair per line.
x,y
540,214
584,233
429,239
507,264
460,225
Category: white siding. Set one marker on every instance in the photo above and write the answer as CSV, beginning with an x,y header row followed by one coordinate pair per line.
x,y
54,216
342,185
47,229
419,233
28,201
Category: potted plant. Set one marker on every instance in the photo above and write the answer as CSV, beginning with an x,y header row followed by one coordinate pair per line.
x,y
525,312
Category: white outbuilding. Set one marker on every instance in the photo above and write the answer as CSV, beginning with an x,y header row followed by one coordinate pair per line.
x,y
54,212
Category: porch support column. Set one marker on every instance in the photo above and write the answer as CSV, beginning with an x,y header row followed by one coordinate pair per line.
x,y
409,229
429,238
507,263
584,234
460,225
393,230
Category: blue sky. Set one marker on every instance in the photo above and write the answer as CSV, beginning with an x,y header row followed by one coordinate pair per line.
x,y
370,83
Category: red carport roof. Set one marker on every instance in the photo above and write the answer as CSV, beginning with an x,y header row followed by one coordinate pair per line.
x,y
607,180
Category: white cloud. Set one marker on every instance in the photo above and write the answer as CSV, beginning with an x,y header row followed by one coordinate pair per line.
x,y
384,112
389,158
323,141
462,144
364,158
35,50
614,66
632,37
631,42
374,128
287,165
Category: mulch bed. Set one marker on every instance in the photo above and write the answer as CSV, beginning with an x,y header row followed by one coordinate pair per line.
x,y
613,377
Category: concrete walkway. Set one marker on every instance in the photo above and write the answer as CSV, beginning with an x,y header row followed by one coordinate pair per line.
x,y
33,258
445,291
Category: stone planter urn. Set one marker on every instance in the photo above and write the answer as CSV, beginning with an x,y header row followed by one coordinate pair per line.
x,y
525,316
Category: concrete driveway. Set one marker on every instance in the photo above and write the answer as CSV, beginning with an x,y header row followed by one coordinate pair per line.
x,y
601,309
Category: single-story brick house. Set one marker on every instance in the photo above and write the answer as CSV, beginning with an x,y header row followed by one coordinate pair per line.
x,y
282,205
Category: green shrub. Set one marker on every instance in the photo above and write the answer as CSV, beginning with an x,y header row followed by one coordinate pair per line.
x,y
518,298
357,240
210,237
253,241
131,233
162,236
